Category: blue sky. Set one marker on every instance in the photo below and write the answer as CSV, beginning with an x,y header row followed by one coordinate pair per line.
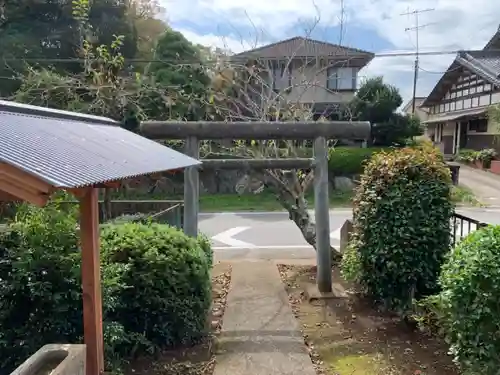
x,y
373,25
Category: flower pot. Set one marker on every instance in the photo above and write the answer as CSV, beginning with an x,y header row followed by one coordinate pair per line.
x,y
478,164
495,166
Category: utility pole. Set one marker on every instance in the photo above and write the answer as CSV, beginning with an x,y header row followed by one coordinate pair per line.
x,y
416,28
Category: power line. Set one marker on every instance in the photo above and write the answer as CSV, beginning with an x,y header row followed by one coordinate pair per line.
x,y
180,62
416,28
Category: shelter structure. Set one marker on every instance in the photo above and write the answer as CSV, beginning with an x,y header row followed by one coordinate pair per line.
x,y
43,151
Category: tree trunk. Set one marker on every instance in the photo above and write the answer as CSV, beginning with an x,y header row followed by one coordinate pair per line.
x,y
299,214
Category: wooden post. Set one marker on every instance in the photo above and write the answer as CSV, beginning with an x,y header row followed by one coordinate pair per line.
x,y
91,282
322,217
191,189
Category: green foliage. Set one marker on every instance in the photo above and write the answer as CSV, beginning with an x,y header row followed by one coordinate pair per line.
x,y
206,246
377,102
349,161
53,30
402,213
182,74
468,304
396,130
169,283
155,285
467,156
484,156
40,285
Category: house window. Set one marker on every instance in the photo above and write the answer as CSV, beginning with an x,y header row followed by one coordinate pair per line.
x,y
341,78
478,125
281,79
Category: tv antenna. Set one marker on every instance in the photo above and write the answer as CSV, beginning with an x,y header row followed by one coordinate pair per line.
x,y
416,28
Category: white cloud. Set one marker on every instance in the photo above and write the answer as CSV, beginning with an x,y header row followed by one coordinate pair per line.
x,y
454,24
212,40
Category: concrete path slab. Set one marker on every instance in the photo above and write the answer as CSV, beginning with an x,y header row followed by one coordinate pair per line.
x,y
485,185
260,335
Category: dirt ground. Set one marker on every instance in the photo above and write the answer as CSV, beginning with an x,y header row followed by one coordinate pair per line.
x,y
199,359
346,336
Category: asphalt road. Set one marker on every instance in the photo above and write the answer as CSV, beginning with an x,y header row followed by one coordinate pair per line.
x,y
271,235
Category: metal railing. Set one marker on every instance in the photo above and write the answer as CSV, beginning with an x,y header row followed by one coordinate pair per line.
x,y
172,216
462,226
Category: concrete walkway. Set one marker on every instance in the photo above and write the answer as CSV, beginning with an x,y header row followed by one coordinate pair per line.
x,y
260,335
485,185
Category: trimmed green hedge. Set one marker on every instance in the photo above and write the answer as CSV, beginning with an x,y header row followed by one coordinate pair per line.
x,y
155,286
468,306
401,217
349,161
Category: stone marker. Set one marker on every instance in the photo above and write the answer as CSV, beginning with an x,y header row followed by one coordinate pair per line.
x,y
345,234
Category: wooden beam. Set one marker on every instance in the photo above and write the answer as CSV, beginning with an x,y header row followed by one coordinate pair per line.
x,y
91,282
23,178
255,130
6,197
256,164
77,192
21,192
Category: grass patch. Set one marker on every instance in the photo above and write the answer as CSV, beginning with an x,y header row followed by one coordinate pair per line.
x,y
465,196
265,201
347,336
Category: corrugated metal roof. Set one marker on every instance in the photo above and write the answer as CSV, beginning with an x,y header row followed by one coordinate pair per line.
x,y
54,113
69,154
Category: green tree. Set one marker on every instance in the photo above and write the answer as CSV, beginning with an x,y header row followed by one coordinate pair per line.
x,y
40,30
182,73
377,103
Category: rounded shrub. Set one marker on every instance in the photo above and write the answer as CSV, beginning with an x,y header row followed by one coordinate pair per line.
x,y
349,161
168,277
155,285
40,283
401,219
469,301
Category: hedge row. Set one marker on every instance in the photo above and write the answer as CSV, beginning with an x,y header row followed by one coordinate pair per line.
x,y
400,256
349,161
401,218
155,286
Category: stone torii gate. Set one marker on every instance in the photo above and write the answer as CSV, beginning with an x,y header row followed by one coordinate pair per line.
x,y
193,132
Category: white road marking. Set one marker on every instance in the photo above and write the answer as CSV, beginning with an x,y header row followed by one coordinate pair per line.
x,y
226,237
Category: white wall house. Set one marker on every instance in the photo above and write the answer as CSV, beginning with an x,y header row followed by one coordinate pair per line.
x,y
459,104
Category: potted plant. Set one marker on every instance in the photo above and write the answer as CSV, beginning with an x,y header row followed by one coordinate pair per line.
x,y
486,156
495,166
468,157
